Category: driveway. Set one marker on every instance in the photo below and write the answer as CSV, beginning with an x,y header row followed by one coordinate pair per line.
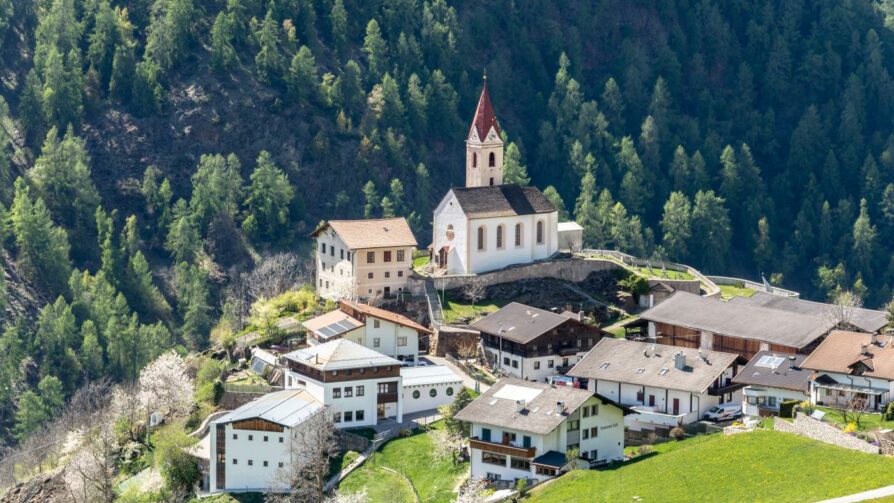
x,y
468,381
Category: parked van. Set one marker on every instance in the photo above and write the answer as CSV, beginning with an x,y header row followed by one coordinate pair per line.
x,y
724,412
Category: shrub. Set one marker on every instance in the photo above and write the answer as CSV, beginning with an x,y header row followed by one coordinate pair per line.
x,y
405,432
806,407
521,485
889,411
787,408
644,449
851,427
178,468
677,433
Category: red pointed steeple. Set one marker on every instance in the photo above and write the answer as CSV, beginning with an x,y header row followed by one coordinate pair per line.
x,y
484,115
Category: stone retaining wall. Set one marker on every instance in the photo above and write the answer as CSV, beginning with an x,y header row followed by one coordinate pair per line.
x,y
814,429
569,269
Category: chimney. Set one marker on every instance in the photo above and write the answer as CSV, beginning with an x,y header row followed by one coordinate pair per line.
x,y
519,405
680,361
864,349
875,339
560,407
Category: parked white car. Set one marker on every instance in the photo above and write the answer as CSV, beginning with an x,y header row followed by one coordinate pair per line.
x,y
724,412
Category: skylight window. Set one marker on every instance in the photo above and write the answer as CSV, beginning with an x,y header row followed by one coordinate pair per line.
x,y
662,372
769,361
604,366
640,370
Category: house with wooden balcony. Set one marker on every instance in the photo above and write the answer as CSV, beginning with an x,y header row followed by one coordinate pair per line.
x,y
771,378
523,430
747,325
359,385
533,344
667,386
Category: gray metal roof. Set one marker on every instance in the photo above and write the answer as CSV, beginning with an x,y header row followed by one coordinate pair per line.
x,y
868,320
497,406
740,319
428,375
519,323
648,364
501,201
340,354
288,408
775,370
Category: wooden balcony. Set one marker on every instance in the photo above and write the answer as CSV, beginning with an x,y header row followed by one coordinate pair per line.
x,y
386,398
506,449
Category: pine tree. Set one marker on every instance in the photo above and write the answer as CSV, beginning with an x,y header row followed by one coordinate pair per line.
x,y
42,247
376,50
91,351
387,207
223,54
303,81
634,185
269,60
397,195
169,32
372,200
711,228
216,189
338,20
554,197
269,196
183,241
613,102
680,173
35,409
423,186
764,252
586,213
864,236
513,170
676,226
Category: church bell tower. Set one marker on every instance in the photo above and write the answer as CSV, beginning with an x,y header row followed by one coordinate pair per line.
x,y
484,147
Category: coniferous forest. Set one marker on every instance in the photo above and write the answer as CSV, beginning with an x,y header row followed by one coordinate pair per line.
x,y
154,151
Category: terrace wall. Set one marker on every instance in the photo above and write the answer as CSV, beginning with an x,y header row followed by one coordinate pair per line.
x,y
815,429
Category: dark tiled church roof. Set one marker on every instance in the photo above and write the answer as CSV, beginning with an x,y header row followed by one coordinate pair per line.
x,y
502,201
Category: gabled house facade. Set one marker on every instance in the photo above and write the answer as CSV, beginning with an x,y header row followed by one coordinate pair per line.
x,y
251,447
523,430
666,386
363,259
852,370
533,344
771,378
386,332
359,385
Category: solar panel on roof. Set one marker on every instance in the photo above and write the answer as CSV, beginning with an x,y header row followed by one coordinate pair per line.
x,y
258,366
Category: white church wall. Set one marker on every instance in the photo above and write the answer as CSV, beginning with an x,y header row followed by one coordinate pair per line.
x,y
446,214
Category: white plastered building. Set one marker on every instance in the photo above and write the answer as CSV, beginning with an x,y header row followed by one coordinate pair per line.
x,y
523,430
488,225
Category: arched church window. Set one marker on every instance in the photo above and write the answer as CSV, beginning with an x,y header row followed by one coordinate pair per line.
x,y
491,160
450,233
500,236
518,234
474,160
540,232
481,238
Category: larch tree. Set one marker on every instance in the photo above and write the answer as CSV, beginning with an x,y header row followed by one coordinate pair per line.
x,y
513,169
676,226
269,196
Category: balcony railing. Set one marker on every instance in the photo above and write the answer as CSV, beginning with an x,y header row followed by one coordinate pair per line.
x,y
386,398
507,449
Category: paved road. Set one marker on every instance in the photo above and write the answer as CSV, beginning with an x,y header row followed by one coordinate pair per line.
x,y
467,380
881,492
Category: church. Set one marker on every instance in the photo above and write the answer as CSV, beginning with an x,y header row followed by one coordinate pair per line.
x,y
488,225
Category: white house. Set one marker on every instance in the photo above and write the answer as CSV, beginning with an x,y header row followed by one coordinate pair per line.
x,y
852,369
532,344
429,387
386,332
358,384
771,378
523,430
251,447
487,225
363,259
667,386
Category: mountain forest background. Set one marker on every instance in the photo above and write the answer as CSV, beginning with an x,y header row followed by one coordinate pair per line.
x,y
154,152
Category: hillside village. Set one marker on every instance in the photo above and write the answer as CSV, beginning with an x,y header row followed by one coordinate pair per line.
x,y
526,360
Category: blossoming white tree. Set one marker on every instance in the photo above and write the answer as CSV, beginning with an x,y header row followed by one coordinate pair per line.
x,y
165,386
